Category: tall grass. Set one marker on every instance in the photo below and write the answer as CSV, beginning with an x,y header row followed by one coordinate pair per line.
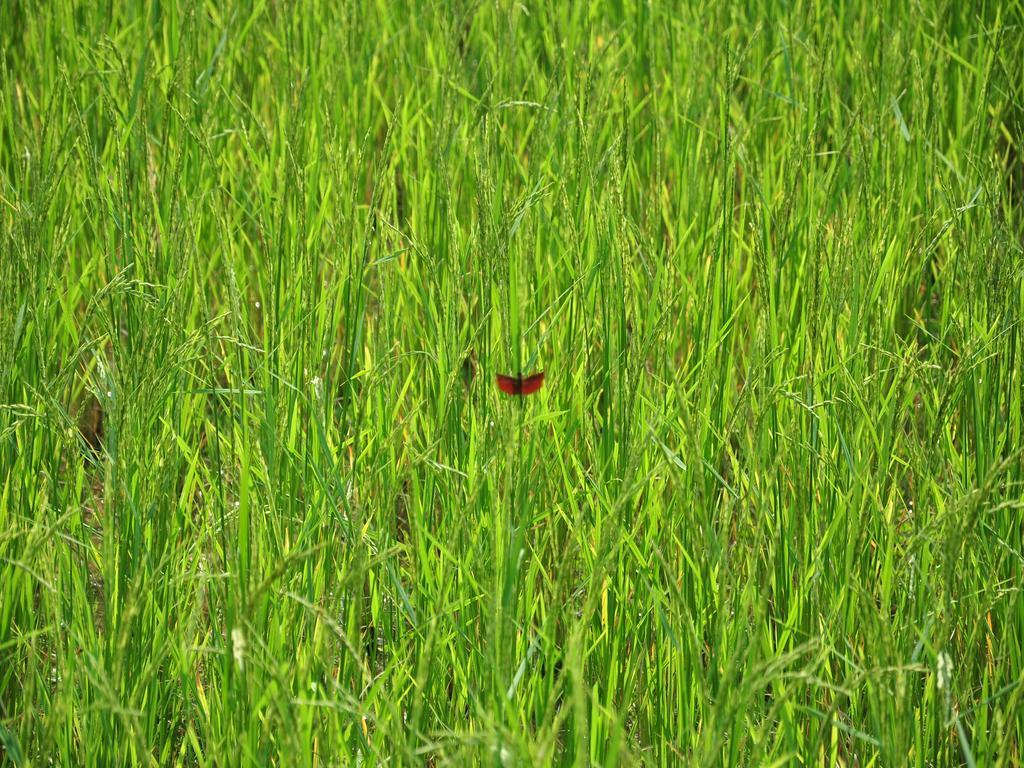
x,y
261,502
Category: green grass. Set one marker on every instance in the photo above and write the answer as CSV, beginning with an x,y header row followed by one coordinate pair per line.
x,y
262,503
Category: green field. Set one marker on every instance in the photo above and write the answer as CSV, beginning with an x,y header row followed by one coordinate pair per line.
x,y
262,502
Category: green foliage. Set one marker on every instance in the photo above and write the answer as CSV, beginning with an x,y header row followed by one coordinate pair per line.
x,y
261,502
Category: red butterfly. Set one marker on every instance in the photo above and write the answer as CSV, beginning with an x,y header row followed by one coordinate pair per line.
x,y
517,385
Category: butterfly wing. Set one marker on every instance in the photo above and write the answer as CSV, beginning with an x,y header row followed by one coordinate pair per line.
x,y
531,384
508,384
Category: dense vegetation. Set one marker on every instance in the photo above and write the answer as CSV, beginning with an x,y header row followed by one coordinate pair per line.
x,y
261,501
